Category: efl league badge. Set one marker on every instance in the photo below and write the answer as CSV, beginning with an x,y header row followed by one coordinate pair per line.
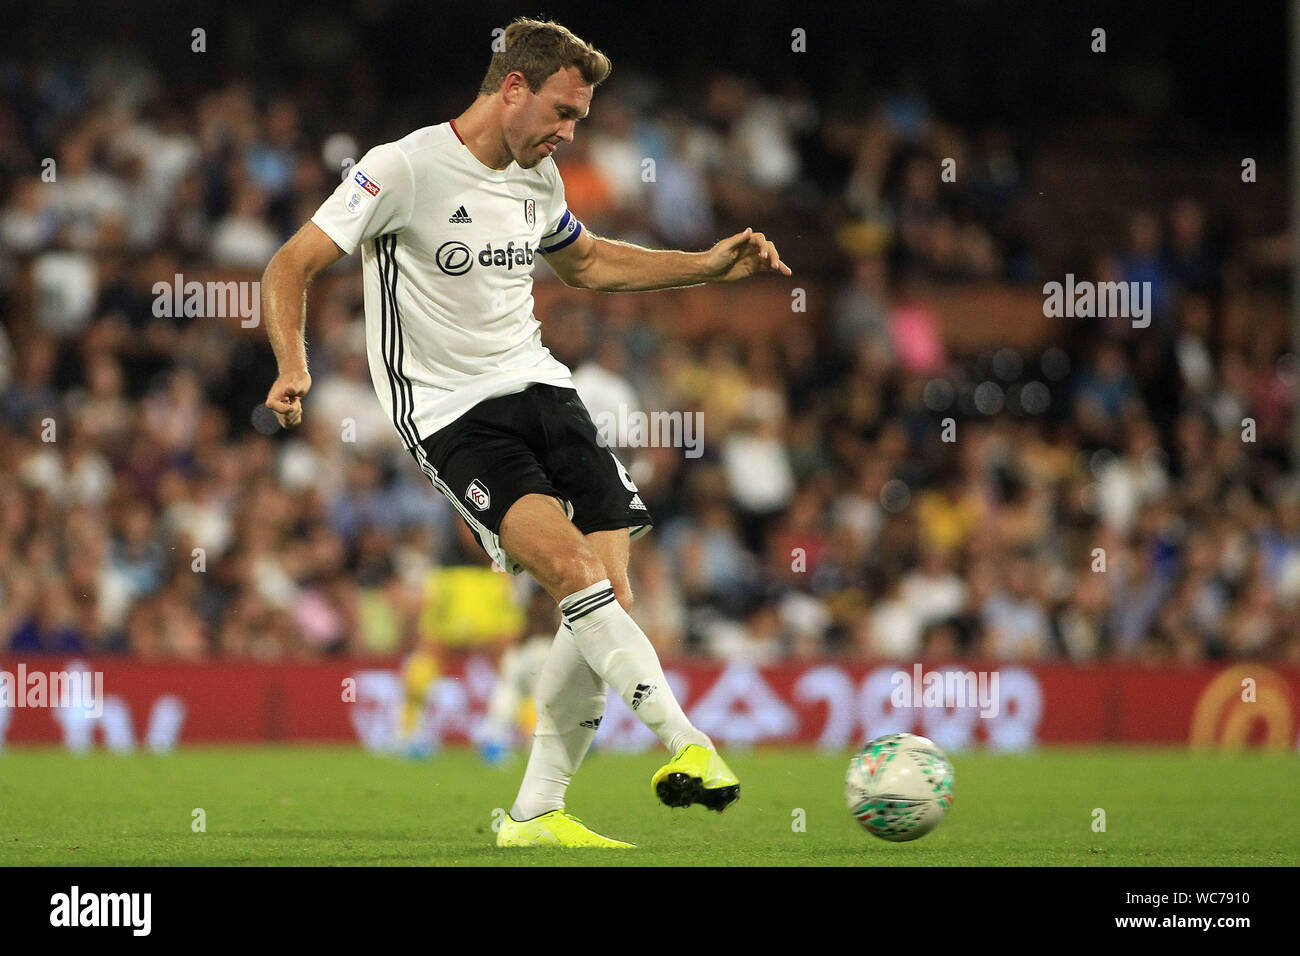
x,y
530,211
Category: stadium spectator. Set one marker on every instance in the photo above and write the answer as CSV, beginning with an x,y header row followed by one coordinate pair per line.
x,y
133,458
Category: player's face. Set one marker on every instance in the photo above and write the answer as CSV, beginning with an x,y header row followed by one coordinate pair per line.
x,y
538,123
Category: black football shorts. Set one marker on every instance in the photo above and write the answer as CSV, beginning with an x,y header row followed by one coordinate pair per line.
x,y
538,441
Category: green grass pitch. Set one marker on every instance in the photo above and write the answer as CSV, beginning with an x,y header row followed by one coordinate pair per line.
x,y
270,806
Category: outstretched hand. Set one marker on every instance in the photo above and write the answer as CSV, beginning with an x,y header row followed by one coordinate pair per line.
x,y
744,254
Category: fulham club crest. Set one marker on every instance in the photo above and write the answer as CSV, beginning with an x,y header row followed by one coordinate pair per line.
x,y
530,212
478,495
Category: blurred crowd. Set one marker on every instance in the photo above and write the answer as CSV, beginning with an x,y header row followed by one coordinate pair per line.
x,y
862,493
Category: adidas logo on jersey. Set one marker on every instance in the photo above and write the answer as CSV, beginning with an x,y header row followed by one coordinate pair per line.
x,y
642,694
460,215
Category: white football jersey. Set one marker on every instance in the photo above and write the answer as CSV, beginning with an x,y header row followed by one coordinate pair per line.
x,y
447,253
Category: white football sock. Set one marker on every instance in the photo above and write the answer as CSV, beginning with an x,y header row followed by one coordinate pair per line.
x,y
570,704
618,650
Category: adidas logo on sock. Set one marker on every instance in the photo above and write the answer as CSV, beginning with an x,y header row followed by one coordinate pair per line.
x,y
460,215
642,694
593,724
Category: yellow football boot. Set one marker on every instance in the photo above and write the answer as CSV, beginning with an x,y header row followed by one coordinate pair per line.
x,y
556,828
696,775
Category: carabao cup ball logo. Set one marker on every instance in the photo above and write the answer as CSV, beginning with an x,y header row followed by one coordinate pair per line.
x,y
454,258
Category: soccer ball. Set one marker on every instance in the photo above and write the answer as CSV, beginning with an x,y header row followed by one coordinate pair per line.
x,y
899,787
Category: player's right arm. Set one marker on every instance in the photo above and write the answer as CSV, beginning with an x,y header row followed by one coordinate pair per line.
x,y
375,198
284,309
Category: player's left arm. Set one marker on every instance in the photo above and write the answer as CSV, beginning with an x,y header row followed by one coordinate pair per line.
x,y
609,265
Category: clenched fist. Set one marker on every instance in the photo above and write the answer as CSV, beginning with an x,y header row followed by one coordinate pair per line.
x,y
286,395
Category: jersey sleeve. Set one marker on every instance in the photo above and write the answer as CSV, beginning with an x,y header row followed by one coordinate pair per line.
x,y
562,226
375,199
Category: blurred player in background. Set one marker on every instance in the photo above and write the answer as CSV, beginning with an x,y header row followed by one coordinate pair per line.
x,y
448,221
513,706
467,605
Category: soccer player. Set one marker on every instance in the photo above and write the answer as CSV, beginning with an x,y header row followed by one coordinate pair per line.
x,y
448,220
514,698
464,605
